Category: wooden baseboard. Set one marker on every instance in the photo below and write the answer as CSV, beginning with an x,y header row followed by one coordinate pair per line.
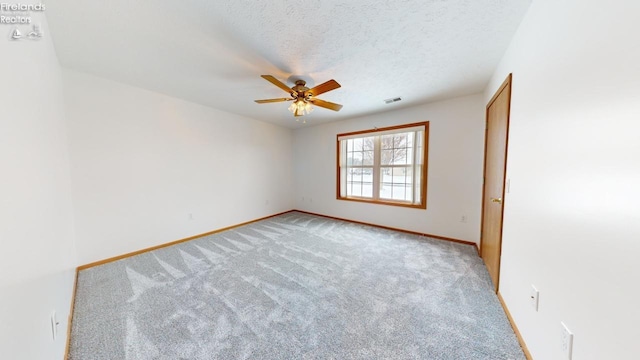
x,y
523,345
70,317
394,229
138,252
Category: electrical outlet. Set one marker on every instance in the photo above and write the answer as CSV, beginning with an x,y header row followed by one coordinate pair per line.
x,y
534,297
567,341
463,218
190,216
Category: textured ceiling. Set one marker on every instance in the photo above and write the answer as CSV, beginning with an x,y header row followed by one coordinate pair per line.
x,y
213,52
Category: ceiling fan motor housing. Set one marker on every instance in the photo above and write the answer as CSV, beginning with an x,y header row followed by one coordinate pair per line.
x,y
299,89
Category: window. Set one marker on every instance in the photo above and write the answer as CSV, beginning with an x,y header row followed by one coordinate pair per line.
x,y
386,166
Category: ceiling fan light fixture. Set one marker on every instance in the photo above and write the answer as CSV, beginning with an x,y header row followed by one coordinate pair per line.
x,y
300,107
307,107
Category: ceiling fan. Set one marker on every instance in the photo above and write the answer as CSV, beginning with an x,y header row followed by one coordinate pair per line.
x,y
302,96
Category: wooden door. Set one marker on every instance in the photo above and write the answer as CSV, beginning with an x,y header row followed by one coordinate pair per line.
x,y
495,158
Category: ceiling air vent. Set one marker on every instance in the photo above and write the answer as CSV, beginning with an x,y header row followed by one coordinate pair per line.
x,y
389,101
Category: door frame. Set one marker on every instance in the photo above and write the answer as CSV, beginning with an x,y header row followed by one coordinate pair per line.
x,y
507,81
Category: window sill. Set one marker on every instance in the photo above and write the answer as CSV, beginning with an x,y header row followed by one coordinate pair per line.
x,y
384,202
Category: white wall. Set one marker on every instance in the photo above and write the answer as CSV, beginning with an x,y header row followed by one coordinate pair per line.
x,y
454,187
37,254
572,218
142,162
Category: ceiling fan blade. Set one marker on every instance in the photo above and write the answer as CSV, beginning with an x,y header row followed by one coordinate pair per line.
x,y
277,83
323,88
272,100
326,104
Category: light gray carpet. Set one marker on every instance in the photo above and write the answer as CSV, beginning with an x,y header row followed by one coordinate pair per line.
x,y
295,286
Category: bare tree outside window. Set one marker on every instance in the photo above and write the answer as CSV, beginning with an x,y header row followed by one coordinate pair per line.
x,y
395,149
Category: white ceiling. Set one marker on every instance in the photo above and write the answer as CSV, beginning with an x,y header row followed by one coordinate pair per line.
x,y
213,52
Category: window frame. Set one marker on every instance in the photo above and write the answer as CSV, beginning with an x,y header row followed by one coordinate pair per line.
x,y
376,166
